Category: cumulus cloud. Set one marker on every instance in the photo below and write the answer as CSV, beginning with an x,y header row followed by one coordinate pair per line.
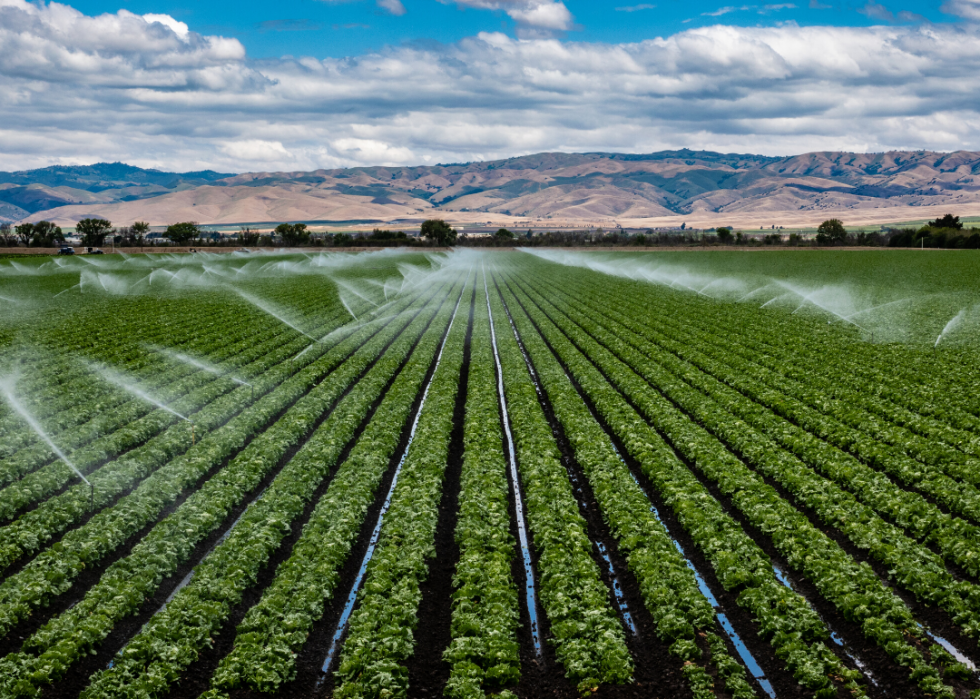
x,y
124,87
256,150
395,7
968,9
549,15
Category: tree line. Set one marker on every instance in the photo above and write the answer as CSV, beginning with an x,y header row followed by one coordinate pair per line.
x,y
944,232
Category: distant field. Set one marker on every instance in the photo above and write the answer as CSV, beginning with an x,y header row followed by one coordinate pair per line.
x,y
906,296
535,474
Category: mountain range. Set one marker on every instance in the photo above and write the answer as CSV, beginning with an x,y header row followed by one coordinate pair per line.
x,y
545,189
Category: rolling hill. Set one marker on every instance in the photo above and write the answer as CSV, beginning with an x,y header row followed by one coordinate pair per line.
x,y
545,189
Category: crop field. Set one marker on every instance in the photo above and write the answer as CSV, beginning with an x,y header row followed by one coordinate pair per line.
x,y
471,474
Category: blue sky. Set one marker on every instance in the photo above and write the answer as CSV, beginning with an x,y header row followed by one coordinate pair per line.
x,y
337,29
296,85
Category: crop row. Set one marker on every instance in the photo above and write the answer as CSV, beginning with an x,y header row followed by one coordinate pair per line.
x,y
275,629
667,585
911,565
54,571
923,387
381,636
805,405
113,415
784,618
939,448
52,386
41,483
173,638
35,528
588,638
853,588
52,382
483,653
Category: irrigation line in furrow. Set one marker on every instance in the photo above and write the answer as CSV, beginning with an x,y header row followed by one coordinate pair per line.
x,y
938,639
213,472
530,595
674,406
744,653
216,593
617,588
376,533
784,578
186,580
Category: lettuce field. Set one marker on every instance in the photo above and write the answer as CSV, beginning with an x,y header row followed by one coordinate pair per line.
x,y
472,474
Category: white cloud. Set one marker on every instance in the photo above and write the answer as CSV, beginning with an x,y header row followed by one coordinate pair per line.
x,y
968,9
178,28
395,7
550,15
256,150
636,8
119,87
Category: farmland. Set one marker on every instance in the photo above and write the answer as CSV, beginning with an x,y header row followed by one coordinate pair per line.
x,y
532,474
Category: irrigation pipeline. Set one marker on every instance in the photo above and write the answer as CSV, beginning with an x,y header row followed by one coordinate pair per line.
x,y
617,588
783,578
743,651
530,595
187,578
959,655
376,533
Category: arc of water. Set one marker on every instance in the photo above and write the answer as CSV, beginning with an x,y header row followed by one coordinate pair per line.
x,y
7,387
265,308
121,381
875,308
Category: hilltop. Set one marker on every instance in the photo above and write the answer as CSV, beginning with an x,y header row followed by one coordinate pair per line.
x,y
545,188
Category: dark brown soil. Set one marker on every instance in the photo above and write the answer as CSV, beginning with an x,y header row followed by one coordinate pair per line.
x,y
783,682
427,672
78,678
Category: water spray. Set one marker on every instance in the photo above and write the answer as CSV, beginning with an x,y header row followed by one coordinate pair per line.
x,y
951,325
7,384
201,364
121,382
265,308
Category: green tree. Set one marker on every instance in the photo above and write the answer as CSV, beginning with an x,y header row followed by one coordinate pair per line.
x,y
140,230
247,237
182,233
503,234
93,230
439,232
831,232
24,233
7,236
947,221
725,234
47,235
293,234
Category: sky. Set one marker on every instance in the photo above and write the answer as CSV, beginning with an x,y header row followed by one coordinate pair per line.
x,y
295,85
